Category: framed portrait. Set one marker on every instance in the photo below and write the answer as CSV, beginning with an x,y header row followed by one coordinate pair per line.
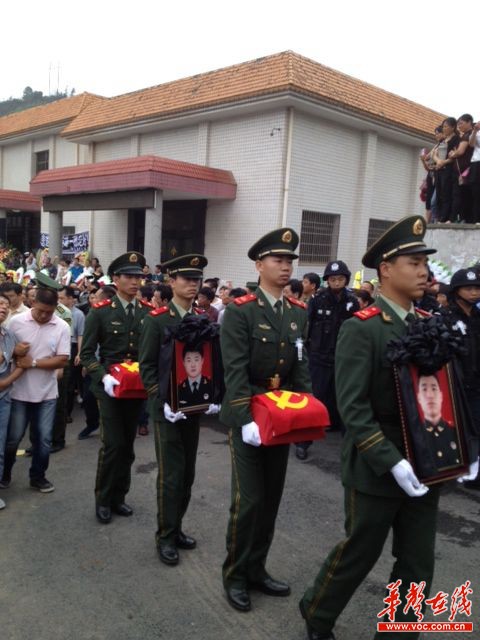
x,y
192,377
434,422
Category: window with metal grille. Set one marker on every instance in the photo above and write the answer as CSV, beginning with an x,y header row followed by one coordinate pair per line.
x,y
318,237
41,161
376,228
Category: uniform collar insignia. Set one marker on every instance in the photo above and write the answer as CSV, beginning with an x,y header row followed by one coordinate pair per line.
x,y
386,317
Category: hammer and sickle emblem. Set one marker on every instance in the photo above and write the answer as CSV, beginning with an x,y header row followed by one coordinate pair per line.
x,y
131,366
283,401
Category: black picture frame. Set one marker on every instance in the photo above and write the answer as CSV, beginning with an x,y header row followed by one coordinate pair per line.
x,y
182,392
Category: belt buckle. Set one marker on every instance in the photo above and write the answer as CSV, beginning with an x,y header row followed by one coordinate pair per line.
x,y
274,383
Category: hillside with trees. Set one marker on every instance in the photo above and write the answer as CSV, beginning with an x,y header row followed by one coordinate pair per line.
x,y
29,99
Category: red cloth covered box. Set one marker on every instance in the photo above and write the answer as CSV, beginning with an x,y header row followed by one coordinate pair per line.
x,y
131,385
285,416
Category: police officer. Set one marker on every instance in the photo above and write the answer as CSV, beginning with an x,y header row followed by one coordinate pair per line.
x,y
114,326
262,350
327,310
382,491
176,435
464,317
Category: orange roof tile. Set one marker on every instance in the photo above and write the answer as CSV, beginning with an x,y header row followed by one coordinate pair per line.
x,y
270,75
46,115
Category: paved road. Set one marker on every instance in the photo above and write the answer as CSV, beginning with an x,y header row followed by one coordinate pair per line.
x,y
64,576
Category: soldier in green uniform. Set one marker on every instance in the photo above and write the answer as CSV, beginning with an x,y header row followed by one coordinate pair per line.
x,y
176,435
114,326
262,349
382,491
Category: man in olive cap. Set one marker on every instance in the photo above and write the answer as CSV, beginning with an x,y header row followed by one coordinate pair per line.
x,y
262,349
176,434
45,347
382,491
114,326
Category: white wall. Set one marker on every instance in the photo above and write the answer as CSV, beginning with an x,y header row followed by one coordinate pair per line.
x,y
177,144
112,150
17,166
109,235
245,147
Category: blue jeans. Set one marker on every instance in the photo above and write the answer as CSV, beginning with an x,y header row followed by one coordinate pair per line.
x,y
40,416
5,405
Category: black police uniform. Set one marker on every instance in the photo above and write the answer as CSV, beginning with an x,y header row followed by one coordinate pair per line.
x,y
326,314
469,327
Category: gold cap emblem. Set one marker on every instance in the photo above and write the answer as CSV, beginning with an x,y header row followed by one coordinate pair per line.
x,y
287,237
194,262
133,257
418,227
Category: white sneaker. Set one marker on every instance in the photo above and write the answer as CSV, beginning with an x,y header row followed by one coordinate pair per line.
x,y
2,504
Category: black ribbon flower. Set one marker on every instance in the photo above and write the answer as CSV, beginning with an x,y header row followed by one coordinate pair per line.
x,y
429,345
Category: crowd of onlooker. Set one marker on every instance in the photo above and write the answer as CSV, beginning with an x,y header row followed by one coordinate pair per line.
x,y
451,189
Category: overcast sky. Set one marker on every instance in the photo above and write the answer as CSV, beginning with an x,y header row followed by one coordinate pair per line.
x,y
418,49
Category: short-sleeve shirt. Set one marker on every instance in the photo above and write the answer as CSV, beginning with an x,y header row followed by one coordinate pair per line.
x,y
78,325
7,345
46,340
464,160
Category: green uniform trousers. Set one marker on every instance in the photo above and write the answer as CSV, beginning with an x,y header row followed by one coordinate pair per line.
x,y
258,477
368,521
176,448
60,421
118,428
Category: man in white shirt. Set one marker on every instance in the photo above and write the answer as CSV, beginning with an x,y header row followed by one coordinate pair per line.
x,y
34,395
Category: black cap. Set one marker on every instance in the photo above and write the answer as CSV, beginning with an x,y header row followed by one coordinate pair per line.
x,y
280,242
188,266
337,268
130,263
404,237
465,278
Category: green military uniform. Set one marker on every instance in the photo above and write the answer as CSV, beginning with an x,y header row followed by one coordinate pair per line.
x,y
110,327
259,353
373,444
176,443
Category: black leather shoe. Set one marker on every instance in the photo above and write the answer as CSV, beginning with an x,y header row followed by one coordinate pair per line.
x,y
55,448
104,514
312,633
85,433
168,554
301,453
238,599
185,542
122,509
271,587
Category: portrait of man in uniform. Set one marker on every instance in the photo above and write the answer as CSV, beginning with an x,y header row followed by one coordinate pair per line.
x,y
194,387
441,432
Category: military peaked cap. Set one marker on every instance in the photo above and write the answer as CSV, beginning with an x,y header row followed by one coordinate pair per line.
x,y
280,242
44,282
404,237
189,266
130,263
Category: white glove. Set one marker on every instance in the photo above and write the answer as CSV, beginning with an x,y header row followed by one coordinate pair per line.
x,y
251,434
472,473
109,382
213,409
171,416
407,480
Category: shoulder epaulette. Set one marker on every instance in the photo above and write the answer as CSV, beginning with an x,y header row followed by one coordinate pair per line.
x,y
159,311
250,297
297,303
198,311
146,303
426,314
104,303
367,313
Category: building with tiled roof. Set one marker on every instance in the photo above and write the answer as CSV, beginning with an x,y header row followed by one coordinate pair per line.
x,y
211,162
